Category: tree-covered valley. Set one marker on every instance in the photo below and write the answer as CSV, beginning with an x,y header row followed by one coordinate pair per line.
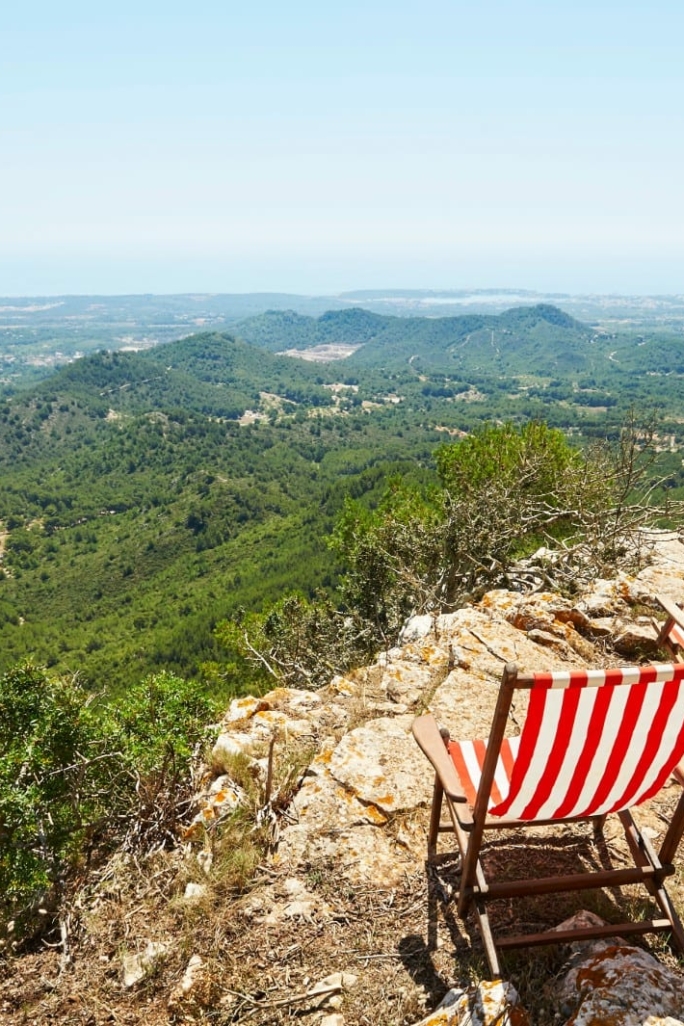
x,y
147,497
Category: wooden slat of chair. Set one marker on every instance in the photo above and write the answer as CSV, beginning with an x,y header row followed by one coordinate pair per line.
x,y
674,621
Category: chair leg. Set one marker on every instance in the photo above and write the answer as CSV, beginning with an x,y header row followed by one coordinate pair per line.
x,y
668,910
674,833
435,818
487,938
667,853
644,855
598,823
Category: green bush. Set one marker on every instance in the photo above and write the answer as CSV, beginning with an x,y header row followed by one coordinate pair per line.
x,y
75,781
47,737
162,717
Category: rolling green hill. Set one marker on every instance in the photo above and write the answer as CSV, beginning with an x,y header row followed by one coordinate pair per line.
x,y
140,506
138,511
503,342
540,339
214,374
279,330
539,352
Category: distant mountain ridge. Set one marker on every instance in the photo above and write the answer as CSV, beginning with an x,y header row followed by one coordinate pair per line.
x,y
500,342
39,334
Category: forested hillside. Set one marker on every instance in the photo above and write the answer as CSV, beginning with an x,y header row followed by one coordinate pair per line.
x,y
148,496
526,353
138,511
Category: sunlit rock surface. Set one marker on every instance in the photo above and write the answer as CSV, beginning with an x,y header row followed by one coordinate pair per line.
x,y
487,1004
612,982
361,803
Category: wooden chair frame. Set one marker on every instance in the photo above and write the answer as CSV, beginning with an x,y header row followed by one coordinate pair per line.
x,y
675,619
470,823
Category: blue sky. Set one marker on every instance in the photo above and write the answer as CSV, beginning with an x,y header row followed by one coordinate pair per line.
x,y
313,147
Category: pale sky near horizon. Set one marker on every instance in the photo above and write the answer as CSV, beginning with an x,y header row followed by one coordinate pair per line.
x,y
311,147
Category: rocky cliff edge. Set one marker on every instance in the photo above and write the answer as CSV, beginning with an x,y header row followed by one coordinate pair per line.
x,y
358,817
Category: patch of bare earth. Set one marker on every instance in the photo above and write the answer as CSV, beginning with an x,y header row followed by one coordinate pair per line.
x,y
252,971
323,354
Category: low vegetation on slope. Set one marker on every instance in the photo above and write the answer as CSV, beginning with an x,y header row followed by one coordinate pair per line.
x,y
498,496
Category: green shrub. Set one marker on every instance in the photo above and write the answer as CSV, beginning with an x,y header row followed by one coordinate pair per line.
x,y
47,737
162,717
74,782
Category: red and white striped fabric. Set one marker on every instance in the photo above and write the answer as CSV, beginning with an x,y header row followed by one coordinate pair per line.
x,y
593,742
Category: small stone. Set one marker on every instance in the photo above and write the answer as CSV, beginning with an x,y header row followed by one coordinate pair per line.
x,y
191,978
194,891
330,989
136,967
205,859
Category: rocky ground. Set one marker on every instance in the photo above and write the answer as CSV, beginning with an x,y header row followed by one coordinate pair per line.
x,y
333,927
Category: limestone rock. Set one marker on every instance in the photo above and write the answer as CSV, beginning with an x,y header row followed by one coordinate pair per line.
x,y
406,682
416,628
189,983
222,798
623,985
250,723
350,791
635,640
605,598
665,573
540,610
548,640
227,746
136,967
488,1004
243,709
381,765
601,626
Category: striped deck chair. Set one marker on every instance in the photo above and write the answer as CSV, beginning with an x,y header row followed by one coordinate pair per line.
x,y
593,742
671,636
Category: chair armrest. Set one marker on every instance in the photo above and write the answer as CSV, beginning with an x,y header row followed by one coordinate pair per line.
x,y
672,609
431,743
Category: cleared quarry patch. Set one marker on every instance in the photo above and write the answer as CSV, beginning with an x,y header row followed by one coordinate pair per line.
x,y
323,354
